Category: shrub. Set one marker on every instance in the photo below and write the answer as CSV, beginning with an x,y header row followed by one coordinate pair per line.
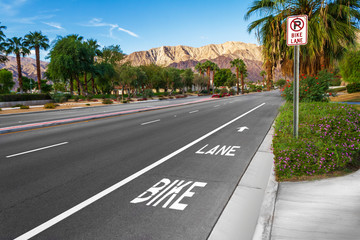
x,y
88,104
107,101
76,98
232,91
50,105
223,91
166,93
328,140
171,97
0,109
311,88
23,97
89,97
148,93
60,97
189,90
353,87
124,101
24,107
259,88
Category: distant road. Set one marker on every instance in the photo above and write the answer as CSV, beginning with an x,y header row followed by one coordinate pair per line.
x,y
163,174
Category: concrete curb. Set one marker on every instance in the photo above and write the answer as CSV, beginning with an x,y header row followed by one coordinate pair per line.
x,y
97,116
249,212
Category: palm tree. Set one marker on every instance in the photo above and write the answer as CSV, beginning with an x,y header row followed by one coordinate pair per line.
x,y
2,39
243,73
208,65
200,68
214,68
37,41
236,63
94,51
16,46
263,73
332,26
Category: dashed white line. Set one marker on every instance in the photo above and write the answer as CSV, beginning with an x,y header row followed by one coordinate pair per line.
x,y
38,149
157,120
35,231
193,111
216,105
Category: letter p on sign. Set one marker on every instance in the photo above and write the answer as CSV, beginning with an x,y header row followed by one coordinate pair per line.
x,y
297,30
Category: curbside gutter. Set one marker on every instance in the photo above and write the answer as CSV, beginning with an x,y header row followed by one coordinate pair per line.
x,y
97,116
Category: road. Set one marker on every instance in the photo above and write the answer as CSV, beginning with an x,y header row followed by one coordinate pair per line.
x,y
163,174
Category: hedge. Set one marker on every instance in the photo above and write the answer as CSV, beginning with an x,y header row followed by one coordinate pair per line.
x,y
353,87
23,97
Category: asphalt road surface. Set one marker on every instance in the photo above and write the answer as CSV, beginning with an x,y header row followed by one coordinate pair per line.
x,y
162,174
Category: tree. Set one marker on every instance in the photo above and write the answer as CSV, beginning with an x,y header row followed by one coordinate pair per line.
x,y
37,41
16,46
222,76
28,84
262,74
332,27
94,53
3,59
209,66
236,63
6,81
200,81
69,58
243,74
200,68
187,77
112,54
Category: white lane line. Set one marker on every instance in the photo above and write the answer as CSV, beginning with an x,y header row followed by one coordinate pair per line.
x,y
216,105
193,111
105,192
157,120
38,149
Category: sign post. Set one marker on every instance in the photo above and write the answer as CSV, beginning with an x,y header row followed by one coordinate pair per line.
x,y
296,35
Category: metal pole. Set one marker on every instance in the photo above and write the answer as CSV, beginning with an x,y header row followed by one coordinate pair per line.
x,y
296,89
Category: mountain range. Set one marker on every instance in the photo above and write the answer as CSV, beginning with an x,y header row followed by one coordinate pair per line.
x,y
181,57
28,68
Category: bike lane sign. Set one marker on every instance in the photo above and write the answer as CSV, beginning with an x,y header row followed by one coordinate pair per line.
x,y
297,30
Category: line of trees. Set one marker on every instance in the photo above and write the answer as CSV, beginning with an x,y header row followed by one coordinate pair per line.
x,y
332,30
77,64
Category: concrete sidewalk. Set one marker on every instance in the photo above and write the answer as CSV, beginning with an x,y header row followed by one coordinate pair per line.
x,y
262,209
324,209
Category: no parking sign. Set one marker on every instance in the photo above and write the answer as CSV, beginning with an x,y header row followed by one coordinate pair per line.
x,y
297,30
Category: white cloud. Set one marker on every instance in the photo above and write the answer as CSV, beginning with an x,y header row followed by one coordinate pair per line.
x,y
97,22
10,7
31,20
53,24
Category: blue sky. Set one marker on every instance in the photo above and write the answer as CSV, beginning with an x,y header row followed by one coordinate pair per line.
x,y
135,25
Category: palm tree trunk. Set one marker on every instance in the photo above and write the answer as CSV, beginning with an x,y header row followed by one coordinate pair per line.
x,y
237,81
93,84
71,86
19,72
208,74
37,53
242,83
78,85
86,83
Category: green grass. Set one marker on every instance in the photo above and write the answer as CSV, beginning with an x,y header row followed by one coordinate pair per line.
x,y
329,141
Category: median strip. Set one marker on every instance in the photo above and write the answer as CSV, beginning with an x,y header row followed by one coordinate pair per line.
x,y
80,119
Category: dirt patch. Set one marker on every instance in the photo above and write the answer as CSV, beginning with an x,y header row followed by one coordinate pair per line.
x,y
353,97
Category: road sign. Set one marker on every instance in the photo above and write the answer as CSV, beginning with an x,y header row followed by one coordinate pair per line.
x,y
297,30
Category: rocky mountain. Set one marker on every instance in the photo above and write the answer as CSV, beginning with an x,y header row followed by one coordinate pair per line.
x,y
28,67
187,57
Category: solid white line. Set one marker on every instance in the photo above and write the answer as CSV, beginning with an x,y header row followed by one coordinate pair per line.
x,y
157,120
216,105
38,149
194,111
105,192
